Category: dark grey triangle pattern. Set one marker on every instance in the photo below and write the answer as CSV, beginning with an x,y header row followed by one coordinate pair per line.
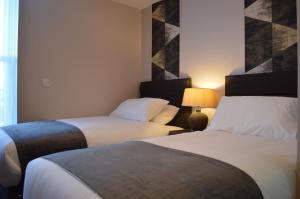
x,y
165,39
258,42
271,36
249,2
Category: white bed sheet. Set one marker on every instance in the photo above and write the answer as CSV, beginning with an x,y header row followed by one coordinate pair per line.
x,y
98,131
271,163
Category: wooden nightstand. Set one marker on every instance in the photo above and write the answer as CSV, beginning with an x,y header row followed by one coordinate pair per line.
x,y
176,132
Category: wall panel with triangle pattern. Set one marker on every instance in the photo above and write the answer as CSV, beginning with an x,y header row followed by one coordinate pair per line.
x,y
165,39
271,35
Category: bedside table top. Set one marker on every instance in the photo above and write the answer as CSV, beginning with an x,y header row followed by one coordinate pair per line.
x,y
176,132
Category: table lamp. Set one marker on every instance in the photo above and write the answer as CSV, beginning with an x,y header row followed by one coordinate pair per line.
x,y
199,98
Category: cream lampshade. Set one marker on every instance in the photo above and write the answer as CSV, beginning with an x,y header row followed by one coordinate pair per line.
x,y
200,98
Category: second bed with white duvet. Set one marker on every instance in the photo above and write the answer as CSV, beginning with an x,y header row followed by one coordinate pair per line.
x,y
98,131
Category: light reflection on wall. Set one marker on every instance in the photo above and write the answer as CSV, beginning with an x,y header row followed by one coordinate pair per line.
x,y
211,80
205,75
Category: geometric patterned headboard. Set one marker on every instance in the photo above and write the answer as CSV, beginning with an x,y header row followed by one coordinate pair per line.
x,y
271,36
165,39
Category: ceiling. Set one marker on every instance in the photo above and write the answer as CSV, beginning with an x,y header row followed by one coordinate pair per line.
x,y
140,4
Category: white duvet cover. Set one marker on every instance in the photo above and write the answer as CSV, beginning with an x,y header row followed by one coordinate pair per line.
x,y
98,131
271,163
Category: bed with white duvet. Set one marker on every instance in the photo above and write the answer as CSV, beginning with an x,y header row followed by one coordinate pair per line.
x,y
134,119
258,136
271,163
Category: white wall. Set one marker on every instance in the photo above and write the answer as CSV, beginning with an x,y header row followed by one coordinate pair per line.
x,y
212,40
89,49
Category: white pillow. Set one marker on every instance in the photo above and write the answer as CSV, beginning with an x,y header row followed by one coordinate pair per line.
x,y
143,109
166,115
273,117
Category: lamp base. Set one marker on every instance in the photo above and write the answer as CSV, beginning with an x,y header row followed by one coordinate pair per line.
x,y
198,121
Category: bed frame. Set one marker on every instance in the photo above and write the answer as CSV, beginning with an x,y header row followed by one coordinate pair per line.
x,y
171,90
280,84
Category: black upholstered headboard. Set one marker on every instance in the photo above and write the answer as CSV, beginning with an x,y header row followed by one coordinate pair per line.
x,y
171,90
281,84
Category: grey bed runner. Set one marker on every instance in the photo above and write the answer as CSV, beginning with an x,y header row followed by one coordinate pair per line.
x,y
36,139
140,170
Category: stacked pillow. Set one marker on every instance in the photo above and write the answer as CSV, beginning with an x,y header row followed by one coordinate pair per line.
x,y
145,110
166,115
